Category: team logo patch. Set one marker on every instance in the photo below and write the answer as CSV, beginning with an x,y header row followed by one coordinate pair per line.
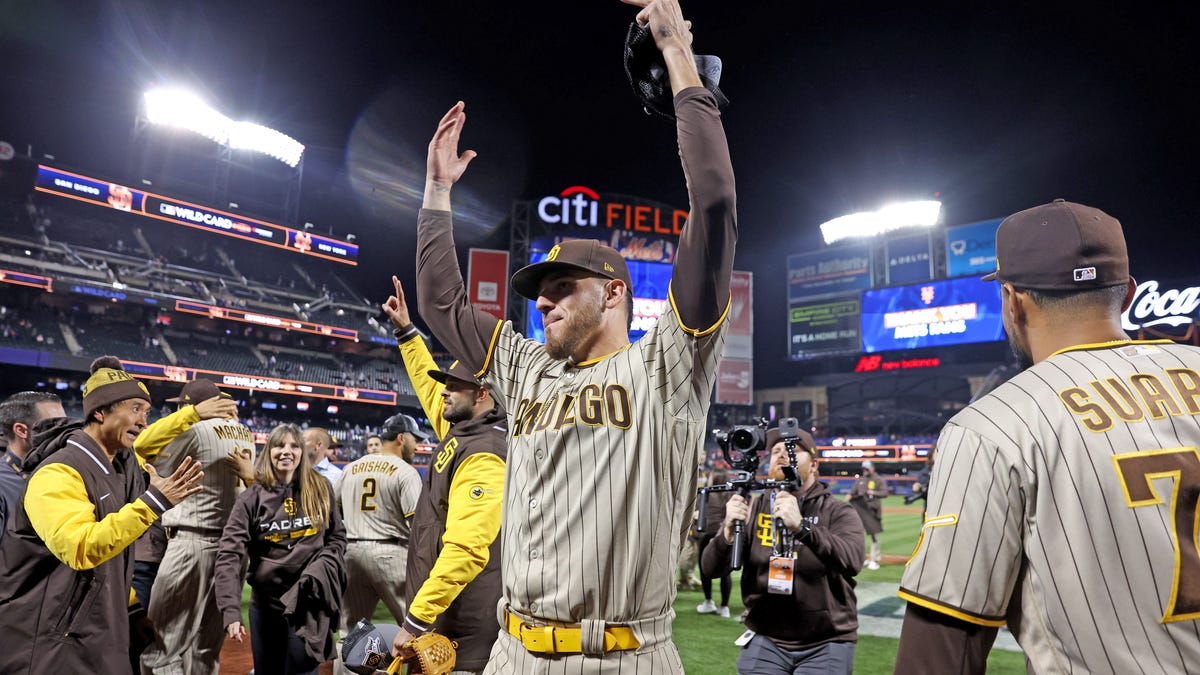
x,y
289,506
1085,274
374,652
1134,351
553,253
477,492
608,268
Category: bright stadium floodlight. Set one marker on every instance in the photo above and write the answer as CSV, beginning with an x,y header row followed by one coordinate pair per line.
x,y
184,110
250,136
886,219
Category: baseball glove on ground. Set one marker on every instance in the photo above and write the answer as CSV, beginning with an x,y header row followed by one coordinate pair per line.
x,y
430,654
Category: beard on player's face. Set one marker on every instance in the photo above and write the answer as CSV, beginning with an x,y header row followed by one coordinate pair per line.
x,y
459,405
1020,351
568,334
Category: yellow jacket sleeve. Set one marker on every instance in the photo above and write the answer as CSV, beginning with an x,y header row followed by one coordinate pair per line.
x,y
60,512
418,362
155,437
472,524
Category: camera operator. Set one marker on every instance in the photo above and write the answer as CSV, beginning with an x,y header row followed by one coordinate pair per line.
x,y
804,547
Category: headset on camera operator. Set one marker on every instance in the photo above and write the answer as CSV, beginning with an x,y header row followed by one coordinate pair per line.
x,y
803,548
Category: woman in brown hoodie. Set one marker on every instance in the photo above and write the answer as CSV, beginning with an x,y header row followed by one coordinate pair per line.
x,y
290,528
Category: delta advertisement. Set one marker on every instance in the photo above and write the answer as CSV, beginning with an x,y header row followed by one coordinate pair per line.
x,y
824,328
971,249
828,272
908,259
934,314
150,205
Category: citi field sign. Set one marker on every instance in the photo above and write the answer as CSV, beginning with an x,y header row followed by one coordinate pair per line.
x,y
581,206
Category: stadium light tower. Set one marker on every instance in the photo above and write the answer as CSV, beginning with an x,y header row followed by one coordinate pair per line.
x,y
886,219
185,110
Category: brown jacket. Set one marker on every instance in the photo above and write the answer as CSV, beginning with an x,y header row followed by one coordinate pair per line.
x,y
471,617
822,606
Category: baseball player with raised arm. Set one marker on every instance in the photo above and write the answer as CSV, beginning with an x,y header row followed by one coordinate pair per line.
x,y
183,602
1064,503
603,434
454,569
378,495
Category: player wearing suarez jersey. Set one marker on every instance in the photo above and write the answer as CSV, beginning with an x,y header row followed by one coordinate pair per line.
x,y
604,435
1064,503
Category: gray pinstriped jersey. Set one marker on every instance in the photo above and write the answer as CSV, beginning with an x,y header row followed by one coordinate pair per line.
x,y
1066,502
601,475
207,442
377,494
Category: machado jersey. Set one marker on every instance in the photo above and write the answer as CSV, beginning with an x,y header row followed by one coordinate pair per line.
x,y
601,476
208,442
1064,504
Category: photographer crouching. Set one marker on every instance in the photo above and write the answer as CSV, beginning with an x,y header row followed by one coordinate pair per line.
x,y
804,548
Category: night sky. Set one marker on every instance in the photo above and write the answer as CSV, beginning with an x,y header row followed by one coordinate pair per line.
x,y
836,107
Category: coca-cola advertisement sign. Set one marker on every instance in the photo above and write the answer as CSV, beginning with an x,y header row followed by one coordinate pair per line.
x,y
1164,310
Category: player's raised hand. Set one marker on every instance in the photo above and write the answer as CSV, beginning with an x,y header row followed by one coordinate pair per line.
x,y
735,509
179,485
217,407
666,22
444,165
396,308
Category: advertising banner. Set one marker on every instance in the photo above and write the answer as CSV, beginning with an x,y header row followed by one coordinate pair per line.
x,y
934,314
971,249
487,281
150,205
275,385
828,272
908,259
735,382
824,328
260,319
739,343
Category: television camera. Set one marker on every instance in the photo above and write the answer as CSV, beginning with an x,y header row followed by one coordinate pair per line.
x,y
742,447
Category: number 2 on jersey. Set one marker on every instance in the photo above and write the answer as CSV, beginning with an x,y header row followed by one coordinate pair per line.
x,y
366,502
1137,470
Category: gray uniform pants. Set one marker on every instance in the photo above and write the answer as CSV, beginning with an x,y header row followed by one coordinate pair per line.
x,y
183,607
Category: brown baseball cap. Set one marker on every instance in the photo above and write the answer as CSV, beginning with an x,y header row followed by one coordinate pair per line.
x,y
456,371
1061,246
587,255
198,390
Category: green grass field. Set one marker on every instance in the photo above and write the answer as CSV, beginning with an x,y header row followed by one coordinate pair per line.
x,y
705,641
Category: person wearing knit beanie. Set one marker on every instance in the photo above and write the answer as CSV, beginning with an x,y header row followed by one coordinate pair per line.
x,y
67,544
109,384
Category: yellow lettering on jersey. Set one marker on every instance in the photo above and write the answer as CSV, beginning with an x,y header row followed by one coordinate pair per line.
x,y
1092,415
1154,394
763,531
1187,385
445,455
591,405
233,432
1109,390
373,466
616,398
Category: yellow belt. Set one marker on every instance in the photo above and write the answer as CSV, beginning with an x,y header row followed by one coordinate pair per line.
x,y
565,639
